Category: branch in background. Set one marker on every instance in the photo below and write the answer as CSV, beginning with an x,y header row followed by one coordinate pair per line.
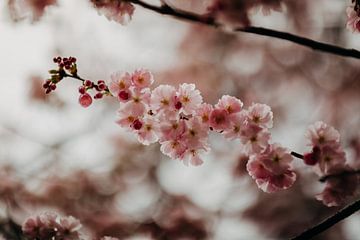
x,y
210,21
329,222
342,174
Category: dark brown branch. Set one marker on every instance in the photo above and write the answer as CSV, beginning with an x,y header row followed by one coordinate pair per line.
x,y
329,222
342,174
297,155
210,21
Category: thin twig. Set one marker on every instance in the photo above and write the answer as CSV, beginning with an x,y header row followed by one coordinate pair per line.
x,y
210,21
297,155
329,222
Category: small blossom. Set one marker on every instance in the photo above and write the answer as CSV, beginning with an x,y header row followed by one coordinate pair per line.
x,y
254,138
320,134
331,159
236,124
128,113
142,78
189,97
173,129
261,115
353,19
68,228
163,98
204,112
219,119
120,82
339,189
119,11
271,169
148,133
230,104
175,149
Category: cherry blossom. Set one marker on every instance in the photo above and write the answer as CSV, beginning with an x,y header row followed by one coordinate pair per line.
x,y
163,98
119,85
119,11
353,19
255,138
272,169
142,78
49,225
339,189
189,97
261,115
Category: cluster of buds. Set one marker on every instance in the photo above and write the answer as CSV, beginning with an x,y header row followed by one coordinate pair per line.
x,y
101,89
67,68
64,64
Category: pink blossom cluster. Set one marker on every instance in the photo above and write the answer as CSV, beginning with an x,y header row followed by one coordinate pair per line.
x,y
49,225
353,19
35,8
237,11
328,158
119,11
180,121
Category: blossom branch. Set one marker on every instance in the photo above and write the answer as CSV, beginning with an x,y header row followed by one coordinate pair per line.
x,y
329,222
297,155
210,21
342,174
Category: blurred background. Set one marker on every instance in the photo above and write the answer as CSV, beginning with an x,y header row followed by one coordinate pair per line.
x,y
56,155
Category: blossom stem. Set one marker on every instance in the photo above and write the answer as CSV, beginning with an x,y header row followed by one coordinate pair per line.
x,y
64,74
326,177
329,222
297,155
211,21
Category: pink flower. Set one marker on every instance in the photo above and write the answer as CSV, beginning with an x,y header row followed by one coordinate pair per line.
x,y
192,156
148,133
171,130
353,19
142,78
331,159
271,169
109,238
339,189
120,84
189,97
119,11
230,104
163,97
237,122
320,134
175,149
68,228
196,135
219,119
85,100
128,113
204,112
254,138
261,115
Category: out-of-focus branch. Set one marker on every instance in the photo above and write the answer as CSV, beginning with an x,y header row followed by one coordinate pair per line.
x,y
329,222
210,21
342,174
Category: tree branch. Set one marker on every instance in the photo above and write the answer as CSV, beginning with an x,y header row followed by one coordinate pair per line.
x,y
210,21
329,222
342,174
